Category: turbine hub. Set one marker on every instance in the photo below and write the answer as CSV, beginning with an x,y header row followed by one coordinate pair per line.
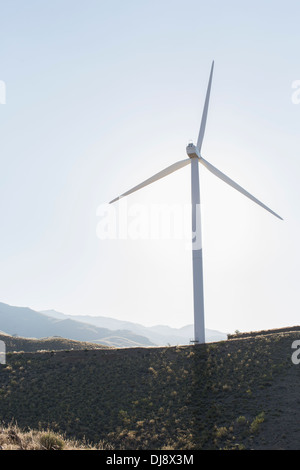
x,y
192,151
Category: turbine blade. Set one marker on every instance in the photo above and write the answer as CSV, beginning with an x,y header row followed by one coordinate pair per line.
x,y
205,110
236,186
167,171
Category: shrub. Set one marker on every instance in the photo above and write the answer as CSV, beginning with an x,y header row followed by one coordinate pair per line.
x,y
254,426
241,420
50,441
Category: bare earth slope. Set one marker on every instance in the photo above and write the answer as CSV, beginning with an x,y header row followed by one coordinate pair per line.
x,y
236,394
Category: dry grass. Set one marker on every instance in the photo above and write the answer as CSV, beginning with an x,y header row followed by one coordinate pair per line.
x,y
12,437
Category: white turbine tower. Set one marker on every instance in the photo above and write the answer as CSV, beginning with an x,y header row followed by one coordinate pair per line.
x,y
195,157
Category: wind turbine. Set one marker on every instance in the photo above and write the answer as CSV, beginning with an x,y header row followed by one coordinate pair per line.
x,y
195,157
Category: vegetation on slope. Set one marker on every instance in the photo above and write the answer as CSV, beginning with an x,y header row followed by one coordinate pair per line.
x,y
19,344
231,394
14,438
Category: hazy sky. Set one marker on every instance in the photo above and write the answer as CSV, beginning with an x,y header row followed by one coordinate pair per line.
x,y
100,95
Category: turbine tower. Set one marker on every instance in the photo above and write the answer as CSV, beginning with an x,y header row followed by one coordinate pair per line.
x,y
195,157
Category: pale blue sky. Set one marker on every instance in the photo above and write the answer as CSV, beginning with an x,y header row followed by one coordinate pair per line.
x,y
101,95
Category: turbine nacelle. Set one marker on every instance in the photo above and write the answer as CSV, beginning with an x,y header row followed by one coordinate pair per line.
x,y
192,151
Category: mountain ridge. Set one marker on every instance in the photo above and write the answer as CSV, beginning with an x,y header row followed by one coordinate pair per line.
x,y
28,323
160,335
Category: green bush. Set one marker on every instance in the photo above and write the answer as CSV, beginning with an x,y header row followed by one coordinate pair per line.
x,y
255,425
50,441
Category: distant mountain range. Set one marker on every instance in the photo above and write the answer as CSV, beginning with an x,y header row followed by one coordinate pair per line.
x,y
28,323
160,335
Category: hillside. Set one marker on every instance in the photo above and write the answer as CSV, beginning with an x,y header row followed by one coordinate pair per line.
x,y
236,394
18,344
